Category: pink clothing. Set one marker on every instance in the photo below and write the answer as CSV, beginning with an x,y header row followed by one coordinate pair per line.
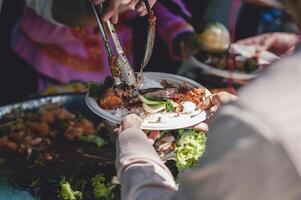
x,y
64,53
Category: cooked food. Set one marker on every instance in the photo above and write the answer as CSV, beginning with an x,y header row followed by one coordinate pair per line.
x,y
26,133
56,154
72,158
241,62
167,100
217,51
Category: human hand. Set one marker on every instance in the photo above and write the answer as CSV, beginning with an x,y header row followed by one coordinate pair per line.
x,y
130,121
214,100
136,5
111,12
277,43
218,99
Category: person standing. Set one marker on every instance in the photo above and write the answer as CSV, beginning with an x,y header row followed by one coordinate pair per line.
x,y
253,147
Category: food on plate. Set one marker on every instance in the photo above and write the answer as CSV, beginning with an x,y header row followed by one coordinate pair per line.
x,y
217,51
184,146
153,104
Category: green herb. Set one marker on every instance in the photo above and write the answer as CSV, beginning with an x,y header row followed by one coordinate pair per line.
x,y
67,193
169,106
251,65
34,183
98,141
8,127
189,148
102,190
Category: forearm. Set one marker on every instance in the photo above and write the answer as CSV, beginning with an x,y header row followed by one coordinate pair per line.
x,y
140,169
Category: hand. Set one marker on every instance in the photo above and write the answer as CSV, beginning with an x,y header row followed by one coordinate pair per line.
x,y
215,100
277,43
137,5
130,121
218,99
114,7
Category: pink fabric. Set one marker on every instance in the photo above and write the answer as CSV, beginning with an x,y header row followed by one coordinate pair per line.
x,y
170,26
65,54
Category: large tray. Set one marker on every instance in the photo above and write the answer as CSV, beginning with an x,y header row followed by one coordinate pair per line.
x,y
73,102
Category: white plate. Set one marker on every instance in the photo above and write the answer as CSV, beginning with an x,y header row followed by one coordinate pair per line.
x,y
266,58
181,121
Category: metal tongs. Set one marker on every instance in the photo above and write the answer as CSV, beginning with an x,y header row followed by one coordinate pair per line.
x,y
122,72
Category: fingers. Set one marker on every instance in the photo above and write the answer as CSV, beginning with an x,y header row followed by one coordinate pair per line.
x,y
131,121
152,2
223,98
111,11
201,127
115,18
141,8
114,6
218,99
97,2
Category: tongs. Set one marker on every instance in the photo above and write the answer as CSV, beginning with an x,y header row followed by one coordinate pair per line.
x,y
122,72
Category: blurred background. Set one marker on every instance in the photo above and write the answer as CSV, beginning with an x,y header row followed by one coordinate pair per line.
x,y
18,78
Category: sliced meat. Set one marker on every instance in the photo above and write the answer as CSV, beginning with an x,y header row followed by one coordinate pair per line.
x,y
8,144
41,129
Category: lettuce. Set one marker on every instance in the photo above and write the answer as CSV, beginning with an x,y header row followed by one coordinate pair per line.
x,y
190,146
67,193
102,190
98,141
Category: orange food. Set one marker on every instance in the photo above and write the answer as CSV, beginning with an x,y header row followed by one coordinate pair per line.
x,y
111,100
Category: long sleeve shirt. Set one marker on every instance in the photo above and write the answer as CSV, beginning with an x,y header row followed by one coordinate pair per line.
x,y
253,148
64,54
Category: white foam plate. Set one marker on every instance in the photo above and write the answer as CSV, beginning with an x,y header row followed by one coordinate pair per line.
x,y
177,122
266,58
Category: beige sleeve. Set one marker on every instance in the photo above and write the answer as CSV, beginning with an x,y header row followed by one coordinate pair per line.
x,y
240,164
140,170
44,9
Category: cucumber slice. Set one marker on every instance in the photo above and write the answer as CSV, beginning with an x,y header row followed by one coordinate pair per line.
x,y
149,102
153,108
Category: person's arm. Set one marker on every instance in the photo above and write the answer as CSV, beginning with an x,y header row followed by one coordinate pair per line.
x,y
172,28
141,172
240,164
